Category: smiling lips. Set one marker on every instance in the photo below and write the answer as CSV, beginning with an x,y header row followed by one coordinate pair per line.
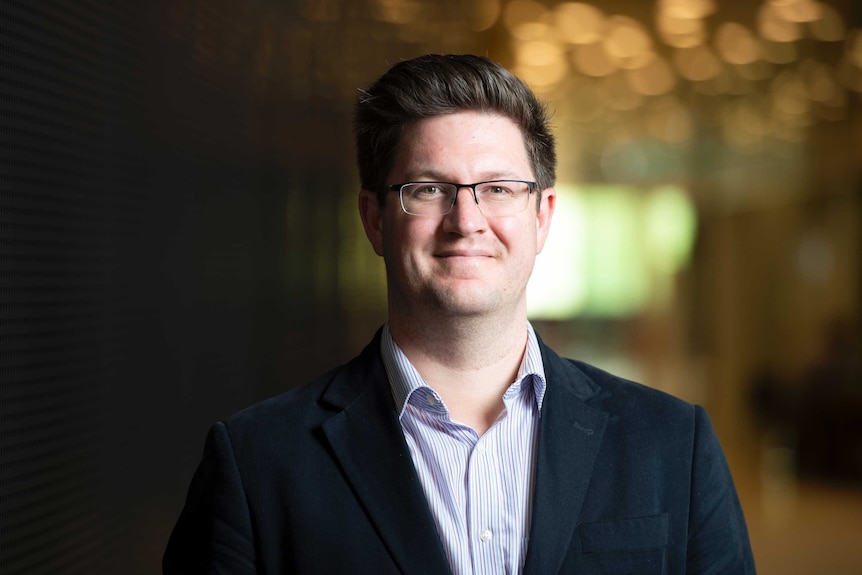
x,y
454,256
463,254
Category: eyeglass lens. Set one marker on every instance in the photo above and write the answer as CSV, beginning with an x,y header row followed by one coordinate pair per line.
x,y
502,197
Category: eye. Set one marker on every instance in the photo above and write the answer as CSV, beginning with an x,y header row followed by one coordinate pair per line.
x,y
496,190
428,190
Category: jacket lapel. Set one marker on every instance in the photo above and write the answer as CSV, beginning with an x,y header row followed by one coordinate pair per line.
x,y
570,436
367,440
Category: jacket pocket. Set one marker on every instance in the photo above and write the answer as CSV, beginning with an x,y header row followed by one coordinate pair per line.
x,y
626,546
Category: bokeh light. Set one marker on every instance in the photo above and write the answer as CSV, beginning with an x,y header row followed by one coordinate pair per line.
x,y
736,44
579,23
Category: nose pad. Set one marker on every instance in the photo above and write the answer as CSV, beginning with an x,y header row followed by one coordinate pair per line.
x,y
472,196
466,215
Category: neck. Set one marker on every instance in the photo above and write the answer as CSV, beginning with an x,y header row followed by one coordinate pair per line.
x,y
470,362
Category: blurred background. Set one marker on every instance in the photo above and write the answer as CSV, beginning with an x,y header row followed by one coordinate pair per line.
x,y
179,238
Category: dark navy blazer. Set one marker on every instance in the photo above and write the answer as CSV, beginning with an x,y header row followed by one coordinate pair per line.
x,y
320,480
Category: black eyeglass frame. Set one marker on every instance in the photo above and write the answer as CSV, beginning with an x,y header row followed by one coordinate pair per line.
x,y
531,187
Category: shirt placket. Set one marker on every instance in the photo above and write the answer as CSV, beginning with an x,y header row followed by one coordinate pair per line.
x,y
484,503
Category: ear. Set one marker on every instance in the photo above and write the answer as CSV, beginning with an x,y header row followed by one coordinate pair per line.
x,y
544,215
371,214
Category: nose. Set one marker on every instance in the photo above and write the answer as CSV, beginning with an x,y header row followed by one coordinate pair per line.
x,y
465,217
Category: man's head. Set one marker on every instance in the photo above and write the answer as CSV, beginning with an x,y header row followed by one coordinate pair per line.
x,y
443,125
436,85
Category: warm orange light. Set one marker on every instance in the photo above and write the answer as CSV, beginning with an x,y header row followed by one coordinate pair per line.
x,y
627,42
720,84
655,78
778,52
531,30
772,26
485,14
830,26
697,64
396,11
736,44
592,60
540,63
518,12
789,94
615,77
616,93
822,83
583,104
797,10
543,78
686,9
579,23
680,32
537,53
757,70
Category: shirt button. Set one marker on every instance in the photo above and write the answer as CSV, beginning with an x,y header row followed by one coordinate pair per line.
x,y
480,448
432,401
485,535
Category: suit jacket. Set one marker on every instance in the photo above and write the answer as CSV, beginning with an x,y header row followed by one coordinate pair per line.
x,y
320,480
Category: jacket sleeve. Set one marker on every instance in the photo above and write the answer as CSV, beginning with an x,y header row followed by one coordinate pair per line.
x,y
718,538
213,534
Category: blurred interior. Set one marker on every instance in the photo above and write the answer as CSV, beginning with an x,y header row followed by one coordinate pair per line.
x,y
179,239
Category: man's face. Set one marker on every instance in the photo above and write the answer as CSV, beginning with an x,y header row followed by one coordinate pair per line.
x,y
462,263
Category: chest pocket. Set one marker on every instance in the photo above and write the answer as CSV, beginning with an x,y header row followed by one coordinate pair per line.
x,y
626,546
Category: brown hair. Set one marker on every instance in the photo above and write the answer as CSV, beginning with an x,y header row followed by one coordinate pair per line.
x,y
434,85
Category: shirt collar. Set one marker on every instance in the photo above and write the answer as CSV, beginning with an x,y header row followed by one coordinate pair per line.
x,y
404,379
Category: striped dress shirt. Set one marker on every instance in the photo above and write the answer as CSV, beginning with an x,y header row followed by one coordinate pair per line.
x,y
479,489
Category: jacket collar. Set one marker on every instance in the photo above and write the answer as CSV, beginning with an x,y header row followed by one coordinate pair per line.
x,y
366,438
570,436
367,441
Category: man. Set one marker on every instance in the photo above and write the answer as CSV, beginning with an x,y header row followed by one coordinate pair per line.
x,y
457,441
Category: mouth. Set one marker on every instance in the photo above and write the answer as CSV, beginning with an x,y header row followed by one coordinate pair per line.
x,y
463,254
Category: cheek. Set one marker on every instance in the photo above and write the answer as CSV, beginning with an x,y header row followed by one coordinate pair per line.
x,y
521,242
414,234
517,235
403,245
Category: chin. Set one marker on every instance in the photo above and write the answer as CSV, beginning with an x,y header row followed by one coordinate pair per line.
x,y
466,305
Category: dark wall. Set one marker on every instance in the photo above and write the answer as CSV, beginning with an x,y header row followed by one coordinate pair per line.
x,y
150,283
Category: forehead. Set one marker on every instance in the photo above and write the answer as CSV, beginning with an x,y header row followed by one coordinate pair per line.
x,y
462,144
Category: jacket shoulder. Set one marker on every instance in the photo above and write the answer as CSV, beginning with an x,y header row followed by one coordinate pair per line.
x,y
626,399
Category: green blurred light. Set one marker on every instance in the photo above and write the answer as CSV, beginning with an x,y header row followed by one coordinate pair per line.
x,y
618,284
671,224
558,288
612,251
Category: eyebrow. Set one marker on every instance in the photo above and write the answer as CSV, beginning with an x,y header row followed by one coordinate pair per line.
x,y
435,176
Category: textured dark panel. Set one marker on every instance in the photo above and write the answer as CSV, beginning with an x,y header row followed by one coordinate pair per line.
x,y
128,247
57,340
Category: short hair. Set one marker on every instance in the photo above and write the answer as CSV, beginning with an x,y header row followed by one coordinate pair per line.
x,y
434,85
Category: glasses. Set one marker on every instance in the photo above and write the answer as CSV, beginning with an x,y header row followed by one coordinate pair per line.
x,y
495,198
